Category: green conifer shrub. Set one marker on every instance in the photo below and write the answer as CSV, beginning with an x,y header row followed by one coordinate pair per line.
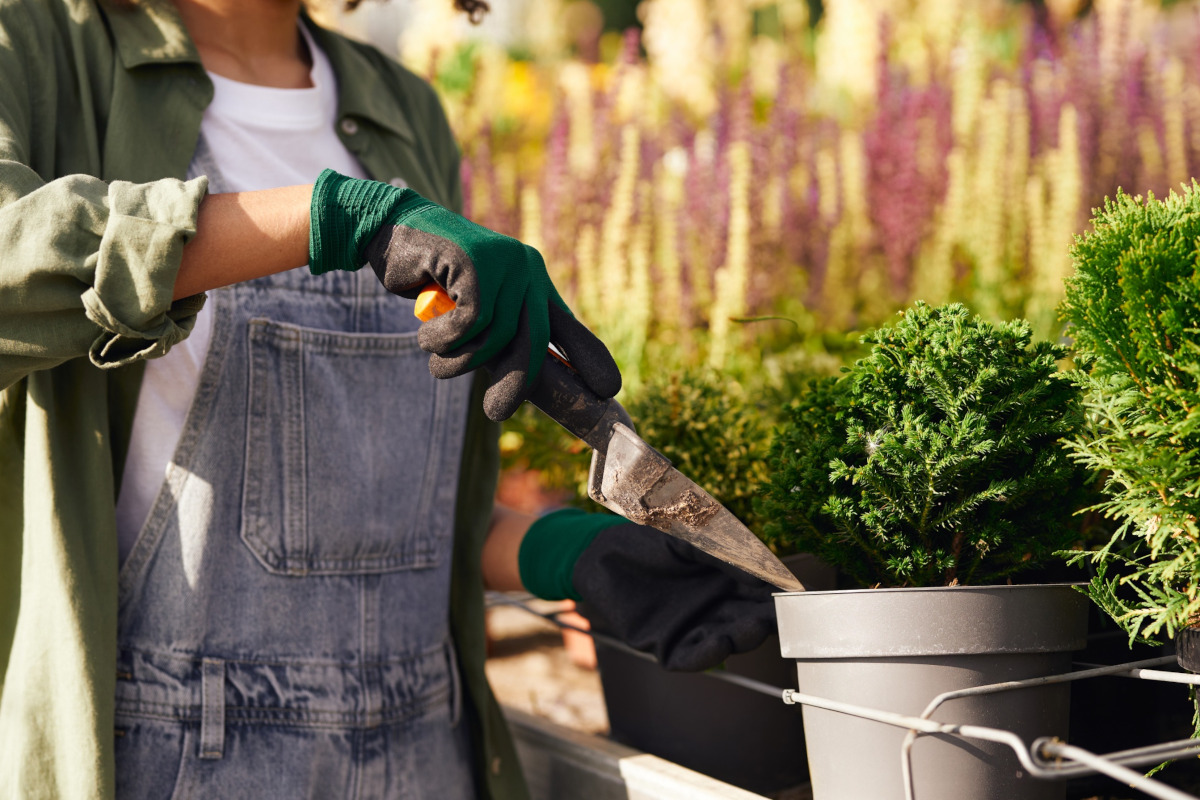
x,y
934,460
1133,306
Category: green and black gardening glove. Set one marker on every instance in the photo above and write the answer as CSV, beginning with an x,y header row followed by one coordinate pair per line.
x,y
507,310
654,592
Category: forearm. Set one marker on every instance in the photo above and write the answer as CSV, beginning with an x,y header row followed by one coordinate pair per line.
x,y
245,235
501,571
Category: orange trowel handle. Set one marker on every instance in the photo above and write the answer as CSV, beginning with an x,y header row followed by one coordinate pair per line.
x,y
559,391
433,301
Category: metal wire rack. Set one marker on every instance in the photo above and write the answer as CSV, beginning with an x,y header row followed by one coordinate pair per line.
x,y
1047,757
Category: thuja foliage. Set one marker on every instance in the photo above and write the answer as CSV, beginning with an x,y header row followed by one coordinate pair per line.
x,y
934,460
1133,305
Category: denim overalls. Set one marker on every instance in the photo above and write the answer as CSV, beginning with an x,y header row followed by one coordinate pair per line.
x,y
283,627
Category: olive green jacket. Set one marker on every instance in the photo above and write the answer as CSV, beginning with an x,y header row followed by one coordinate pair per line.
x,y
100,112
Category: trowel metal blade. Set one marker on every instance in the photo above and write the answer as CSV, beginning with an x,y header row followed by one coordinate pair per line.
x,y
639,483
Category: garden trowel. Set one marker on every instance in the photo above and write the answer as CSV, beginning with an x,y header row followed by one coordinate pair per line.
x,y
629,476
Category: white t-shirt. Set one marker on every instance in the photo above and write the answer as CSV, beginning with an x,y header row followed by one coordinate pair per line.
x,y
258,138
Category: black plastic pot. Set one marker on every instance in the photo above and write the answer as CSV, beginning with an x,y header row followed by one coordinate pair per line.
x,y
698,721
1112,714
1187,648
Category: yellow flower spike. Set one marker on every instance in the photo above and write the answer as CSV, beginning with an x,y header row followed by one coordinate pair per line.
x,y
828,194
531,220
766,57
1151,155
614,232
669,177
600,76
1054,200
632,95
1174,114
849,26
934,279
587,275
985,231
576,82
640,303
681,51
524,98
1015,179
969,85
733,278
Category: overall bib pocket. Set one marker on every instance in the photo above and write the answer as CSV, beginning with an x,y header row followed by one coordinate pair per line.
x,y
344,448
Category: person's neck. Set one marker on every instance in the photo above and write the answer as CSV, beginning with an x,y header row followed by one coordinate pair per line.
x,y
251,41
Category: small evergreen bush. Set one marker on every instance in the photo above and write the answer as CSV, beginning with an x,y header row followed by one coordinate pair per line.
x,y
1133,306
934,460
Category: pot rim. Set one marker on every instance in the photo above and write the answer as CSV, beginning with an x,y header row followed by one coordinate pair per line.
x,y
932,621
914,589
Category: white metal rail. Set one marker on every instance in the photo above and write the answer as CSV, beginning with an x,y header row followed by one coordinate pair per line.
x,y
1047,757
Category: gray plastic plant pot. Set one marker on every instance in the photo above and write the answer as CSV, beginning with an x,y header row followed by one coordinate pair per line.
x,y
897,649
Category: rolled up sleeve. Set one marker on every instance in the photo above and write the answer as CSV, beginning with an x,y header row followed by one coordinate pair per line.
x,y
88,270
136,265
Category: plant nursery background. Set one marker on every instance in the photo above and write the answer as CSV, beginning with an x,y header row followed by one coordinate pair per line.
x,y
730,191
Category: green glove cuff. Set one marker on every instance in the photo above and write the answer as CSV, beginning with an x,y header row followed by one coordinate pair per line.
x,y
551,547
345,213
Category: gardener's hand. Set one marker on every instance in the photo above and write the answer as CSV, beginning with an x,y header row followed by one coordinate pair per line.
x,y
652,591
506,311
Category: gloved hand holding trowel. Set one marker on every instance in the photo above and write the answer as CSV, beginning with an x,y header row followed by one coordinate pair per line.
x,y
497,308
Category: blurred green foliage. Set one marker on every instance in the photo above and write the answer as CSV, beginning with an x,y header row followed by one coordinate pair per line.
x,y
713,432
